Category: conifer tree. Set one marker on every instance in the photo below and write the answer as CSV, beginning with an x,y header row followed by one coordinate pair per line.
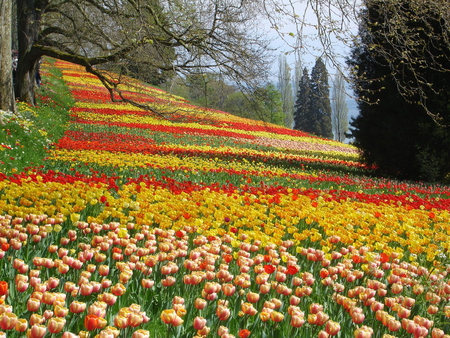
x,y
302,116
320,101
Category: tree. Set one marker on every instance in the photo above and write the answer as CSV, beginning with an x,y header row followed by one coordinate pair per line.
x,y
302,116
320,100
391,130
208,90
339,108
285,88
6,83
206,35
271,104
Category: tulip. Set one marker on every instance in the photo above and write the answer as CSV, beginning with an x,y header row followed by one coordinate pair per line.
x,y
248,309
21,325
121,321
432,309
135,319
276,316
69,335
36,319
228,289
252,297
393,325
332,328
437,333
118,289
200,303
199,323
8,320
297,321
244,333
222,312
60,311
3,288
323,334
168,281
33,304
36,331
170,316
141,334
92,322
56,324
77,307
363,332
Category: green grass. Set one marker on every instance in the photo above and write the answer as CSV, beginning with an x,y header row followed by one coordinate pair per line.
x,y
26,136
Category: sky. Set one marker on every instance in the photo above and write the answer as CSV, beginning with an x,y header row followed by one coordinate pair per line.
x,y
285,44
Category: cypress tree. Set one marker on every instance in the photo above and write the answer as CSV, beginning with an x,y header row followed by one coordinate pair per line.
x,y
302,114
320,101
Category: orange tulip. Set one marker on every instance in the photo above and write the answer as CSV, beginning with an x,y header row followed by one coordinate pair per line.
x,y
3,288
244,333
93,322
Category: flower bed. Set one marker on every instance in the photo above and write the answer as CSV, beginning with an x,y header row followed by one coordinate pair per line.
x,y
210,225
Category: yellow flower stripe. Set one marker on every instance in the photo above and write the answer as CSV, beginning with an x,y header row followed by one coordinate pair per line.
x,y
399,230
127,160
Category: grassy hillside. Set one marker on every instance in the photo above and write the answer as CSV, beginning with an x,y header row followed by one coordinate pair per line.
x,y
115,222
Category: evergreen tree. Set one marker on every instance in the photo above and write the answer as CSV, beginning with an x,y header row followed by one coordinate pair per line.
x,y
392,132
320,101
302,116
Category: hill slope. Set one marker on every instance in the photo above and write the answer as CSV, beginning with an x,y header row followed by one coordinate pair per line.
x,y
276,232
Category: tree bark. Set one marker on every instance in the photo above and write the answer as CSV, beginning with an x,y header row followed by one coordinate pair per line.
x,y
6,80
29,18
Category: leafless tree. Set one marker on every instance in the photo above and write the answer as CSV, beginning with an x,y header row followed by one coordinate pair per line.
x,y
214,35
339,115
285,88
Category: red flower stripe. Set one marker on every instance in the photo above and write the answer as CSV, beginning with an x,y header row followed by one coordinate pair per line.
x,y
170,129
408,200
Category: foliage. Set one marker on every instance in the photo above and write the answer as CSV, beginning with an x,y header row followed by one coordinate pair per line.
x,y
386,117
269,103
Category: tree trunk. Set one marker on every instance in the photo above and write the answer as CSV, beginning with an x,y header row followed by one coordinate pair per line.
x,y
6,80
29,19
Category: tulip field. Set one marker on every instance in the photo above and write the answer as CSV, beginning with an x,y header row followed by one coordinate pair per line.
x,y
198,223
